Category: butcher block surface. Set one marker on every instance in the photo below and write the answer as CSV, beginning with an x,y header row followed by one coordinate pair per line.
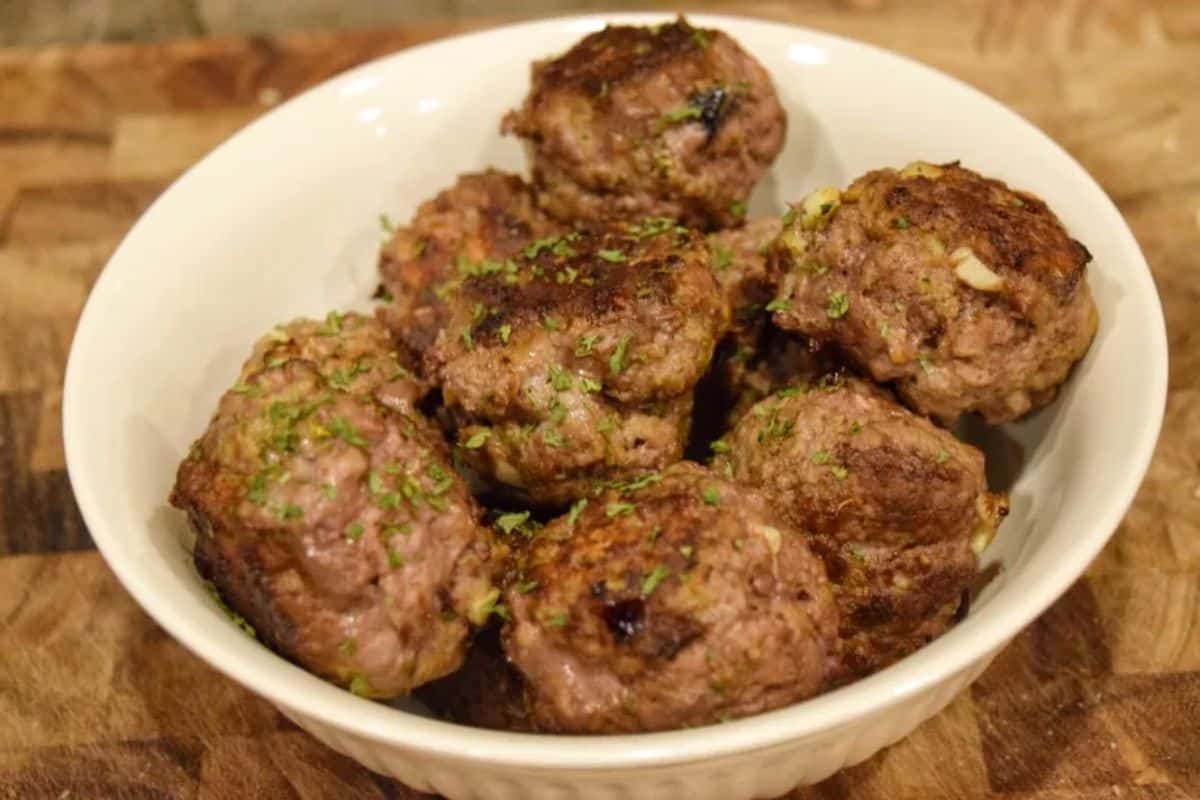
x,y
1098,698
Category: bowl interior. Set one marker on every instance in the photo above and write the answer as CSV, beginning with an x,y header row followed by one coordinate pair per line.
x,y
282,221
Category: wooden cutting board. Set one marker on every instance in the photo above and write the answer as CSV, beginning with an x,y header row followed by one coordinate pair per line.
x,y
1098,698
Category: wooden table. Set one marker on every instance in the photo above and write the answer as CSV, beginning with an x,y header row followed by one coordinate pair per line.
x,y
1098,698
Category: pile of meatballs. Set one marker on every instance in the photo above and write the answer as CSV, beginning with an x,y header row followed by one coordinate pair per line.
x,y
611,457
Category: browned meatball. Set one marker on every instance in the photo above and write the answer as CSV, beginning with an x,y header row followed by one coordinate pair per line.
x,y
968,295
485,216
575,361
327,514
677,600
668,120
897,507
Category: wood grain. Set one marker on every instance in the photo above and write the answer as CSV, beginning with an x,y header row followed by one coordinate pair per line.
x,y
1098,698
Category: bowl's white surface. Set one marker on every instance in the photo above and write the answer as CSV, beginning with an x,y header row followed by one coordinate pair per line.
x,y
281,221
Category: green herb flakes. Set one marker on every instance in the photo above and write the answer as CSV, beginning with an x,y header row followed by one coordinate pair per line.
x,y
616,361
511,521
657,576
838,305
722,257
576,510
559,379
477,440
613,510
711,496
354,531
612,256
585,344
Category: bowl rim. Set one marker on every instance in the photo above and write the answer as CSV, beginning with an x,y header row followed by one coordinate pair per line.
x,y
968,644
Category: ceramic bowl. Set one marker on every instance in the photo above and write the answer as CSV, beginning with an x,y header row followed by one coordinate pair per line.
x,y
282,220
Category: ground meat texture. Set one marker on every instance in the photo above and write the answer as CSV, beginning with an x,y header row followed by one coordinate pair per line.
x,y
575,362
483,217
668,120
676,600
966,294
328,516
896,506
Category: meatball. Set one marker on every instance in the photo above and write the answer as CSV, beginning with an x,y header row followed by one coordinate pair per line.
x,y
574,362
969,296
668,120
676,599
327,514
897,507
485,216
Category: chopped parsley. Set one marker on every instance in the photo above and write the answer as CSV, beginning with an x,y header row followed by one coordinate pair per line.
x,y
576,510
333,322
677,115
923,360
342,429
719,446
613,510
839,472
467,340
359,686
616,361
612,256
590,384
558,620
246,389
559,378
789,217
291,511
711,496
779,304
477,440
550,323
722,257
553,438
585,344
838,305
820,457
901,223
855,427
525,587
511,521
649,479
738,209
354,531
505,332
330,491
657,576
943,456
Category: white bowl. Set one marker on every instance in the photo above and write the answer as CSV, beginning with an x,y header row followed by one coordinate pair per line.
x,y
281,221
